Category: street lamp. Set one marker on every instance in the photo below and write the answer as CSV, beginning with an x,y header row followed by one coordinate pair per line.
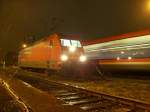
x,y
148,5
24,45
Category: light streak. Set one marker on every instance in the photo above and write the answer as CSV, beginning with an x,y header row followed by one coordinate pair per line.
x,y
129,47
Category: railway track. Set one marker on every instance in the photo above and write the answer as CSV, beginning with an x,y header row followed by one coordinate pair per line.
x,y
86,100
10,101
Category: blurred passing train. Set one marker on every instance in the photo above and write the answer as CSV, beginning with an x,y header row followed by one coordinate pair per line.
x,y
52,52
127,52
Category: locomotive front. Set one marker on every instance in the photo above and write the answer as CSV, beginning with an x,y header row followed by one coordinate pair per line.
x,y
72,51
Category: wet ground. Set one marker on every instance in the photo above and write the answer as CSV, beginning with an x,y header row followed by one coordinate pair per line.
x,y
128,88
123,87
37,100
7,102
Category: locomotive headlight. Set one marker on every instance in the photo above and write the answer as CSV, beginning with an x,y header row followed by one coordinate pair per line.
x,y
64,57
72,48
82,58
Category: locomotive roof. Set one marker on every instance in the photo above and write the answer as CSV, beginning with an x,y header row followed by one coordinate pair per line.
x,y
61,36
69,36
117,37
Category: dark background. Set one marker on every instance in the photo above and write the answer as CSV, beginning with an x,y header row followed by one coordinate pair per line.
x,y
27,19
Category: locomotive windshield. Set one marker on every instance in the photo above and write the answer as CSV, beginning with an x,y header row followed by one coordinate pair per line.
x,y
67,42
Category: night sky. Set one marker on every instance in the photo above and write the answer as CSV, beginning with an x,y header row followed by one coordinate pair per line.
x,y
20,19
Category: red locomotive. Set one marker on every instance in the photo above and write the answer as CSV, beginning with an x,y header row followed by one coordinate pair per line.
x,y
52,53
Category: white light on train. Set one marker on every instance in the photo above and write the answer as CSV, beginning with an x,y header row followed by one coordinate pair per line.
x,y
129,58
82,58
64,57
122,52
118,58
72,48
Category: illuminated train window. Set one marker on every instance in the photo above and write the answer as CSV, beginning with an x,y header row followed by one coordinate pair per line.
x,y
75,43
66,42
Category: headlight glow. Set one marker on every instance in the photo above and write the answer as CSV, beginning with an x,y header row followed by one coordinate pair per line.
x,y
72,48
82,58
64,57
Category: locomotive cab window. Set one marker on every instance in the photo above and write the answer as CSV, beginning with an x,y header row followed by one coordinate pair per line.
x,y
75,43
67,42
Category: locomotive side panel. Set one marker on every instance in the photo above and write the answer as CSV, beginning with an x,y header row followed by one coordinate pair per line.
x,y
33,57
44,54
54,52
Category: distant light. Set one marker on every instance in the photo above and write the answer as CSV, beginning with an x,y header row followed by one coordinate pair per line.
x,y
118,58
72,48
129,58
148,5
24,45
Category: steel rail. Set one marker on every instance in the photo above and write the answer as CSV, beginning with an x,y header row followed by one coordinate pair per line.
x,y
134,104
